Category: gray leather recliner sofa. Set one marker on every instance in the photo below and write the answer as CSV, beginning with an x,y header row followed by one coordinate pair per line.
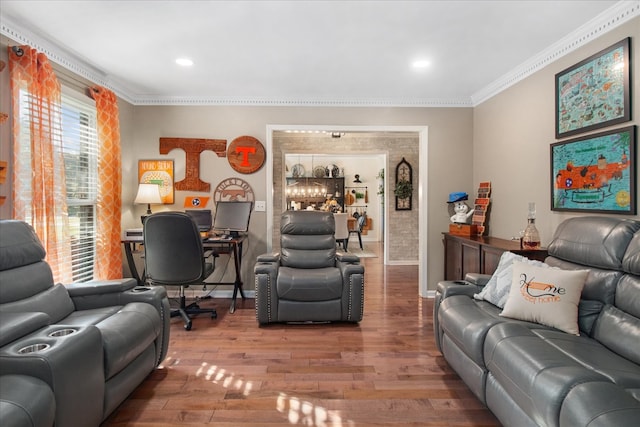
x,y
71,354
308,281
528,374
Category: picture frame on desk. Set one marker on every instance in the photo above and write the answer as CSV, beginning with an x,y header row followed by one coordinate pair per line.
x,y
595,173
595,92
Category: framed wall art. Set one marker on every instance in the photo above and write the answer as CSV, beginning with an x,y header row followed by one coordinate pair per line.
x,y
404,186
158,172
594,93
595,173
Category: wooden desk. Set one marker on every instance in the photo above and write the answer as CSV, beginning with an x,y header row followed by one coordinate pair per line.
x,y
233,247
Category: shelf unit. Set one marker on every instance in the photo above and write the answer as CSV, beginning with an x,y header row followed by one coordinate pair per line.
x,y
359,204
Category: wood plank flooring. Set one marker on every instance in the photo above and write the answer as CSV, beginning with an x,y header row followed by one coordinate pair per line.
x,y
383,372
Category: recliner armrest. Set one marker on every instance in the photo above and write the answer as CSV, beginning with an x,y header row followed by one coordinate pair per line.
x,y
347,258
457,287
109,293
100,287
272,257
266,267
477,279
266,274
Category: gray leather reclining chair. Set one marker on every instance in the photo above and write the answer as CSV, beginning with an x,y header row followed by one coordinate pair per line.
x,y
70,354
308,281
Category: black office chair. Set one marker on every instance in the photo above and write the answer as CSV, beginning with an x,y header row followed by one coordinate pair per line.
x,y
174,256
357,230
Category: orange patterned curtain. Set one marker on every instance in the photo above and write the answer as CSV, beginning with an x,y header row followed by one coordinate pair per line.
x,y
108,252
39,192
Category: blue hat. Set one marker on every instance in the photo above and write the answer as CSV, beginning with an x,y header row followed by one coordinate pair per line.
x,y
457,197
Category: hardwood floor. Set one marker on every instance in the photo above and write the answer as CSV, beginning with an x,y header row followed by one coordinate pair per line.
x,y
383,372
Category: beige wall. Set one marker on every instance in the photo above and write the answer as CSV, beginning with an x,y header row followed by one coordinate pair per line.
x,y
512,133
449,156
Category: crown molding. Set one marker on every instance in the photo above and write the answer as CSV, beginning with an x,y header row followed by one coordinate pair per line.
x,y
611,18
293,102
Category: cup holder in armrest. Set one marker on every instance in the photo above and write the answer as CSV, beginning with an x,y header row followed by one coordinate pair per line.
x,y
141,289
63,332
33,348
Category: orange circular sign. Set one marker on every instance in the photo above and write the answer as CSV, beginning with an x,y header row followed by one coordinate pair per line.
x,y
246,154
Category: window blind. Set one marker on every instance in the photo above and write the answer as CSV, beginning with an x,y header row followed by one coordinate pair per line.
x,y
80,152
79,145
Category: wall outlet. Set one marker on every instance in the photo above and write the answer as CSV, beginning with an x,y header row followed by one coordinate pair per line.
x,y
261,206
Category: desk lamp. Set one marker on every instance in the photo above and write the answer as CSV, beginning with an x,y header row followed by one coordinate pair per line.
x,y
148,193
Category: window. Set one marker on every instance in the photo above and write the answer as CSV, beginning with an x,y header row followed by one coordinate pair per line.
x,y
80,151
80,155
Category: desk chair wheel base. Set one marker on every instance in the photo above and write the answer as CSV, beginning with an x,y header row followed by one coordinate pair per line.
x,y
185,311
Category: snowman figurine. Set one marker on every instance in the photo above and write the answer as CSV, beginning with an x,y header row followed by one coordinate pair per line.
x,y
462,212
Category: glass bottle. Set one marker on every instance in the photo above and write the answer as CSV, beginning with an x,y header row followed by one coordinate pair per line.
x,y
531,237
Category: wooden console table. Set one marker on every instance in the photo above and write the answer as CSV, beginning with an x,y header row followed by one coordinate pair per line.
x,y
474,254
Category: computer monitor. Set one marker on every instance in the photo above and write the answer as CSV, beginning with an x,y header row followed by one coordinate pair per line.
x,y
232,217
202,218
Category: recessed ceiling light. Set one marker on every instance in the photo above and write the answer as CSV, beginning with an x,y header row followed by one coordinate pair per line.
x,y
185,62
421,63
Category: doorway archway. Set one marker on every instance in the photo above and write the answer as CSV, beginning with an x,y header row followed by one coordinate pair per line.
x,y
420,131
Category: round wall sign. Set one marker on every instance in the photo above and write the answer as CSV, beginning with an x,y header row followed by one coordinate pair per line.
x,y
233,189
246,154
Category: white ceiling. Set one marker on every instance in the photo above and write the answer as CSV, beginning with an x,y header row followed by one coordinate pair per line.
x,y
308,52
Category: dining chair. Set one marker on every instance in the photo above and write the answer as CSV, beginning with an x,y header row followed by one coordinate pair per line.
x,y
362,219
342,229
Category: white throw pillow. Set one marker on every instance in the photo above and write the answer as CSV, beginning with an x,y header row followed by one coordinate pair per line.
x,y
497,288
548,296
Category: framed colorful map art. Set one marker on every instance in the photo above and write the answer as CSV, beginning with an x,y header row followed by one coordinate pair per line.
x,y
595,173
594,93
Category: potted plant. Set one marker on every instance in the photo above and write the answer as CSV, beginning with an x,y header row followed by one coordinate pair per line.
x,y
403,189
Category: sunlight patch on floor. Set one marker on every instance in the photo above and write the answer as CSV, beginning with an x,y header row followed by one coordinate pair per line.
x,y
302,412
226,379
298,411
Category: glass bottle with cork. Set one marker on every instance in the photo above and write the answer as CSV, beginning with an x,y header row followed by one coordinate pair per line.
x,y
531,237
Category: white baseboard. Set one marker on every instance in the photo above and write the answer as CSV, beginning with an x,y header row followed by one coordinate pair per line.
x,y
403,262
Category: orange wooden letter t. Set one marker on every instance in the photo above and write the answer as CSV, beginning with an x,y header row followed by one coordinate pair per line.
x,y
193,147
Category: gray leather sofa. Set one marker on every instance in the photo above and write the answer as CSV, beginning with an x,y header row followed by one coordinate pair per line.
x,y
70,354
308,281
528,374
